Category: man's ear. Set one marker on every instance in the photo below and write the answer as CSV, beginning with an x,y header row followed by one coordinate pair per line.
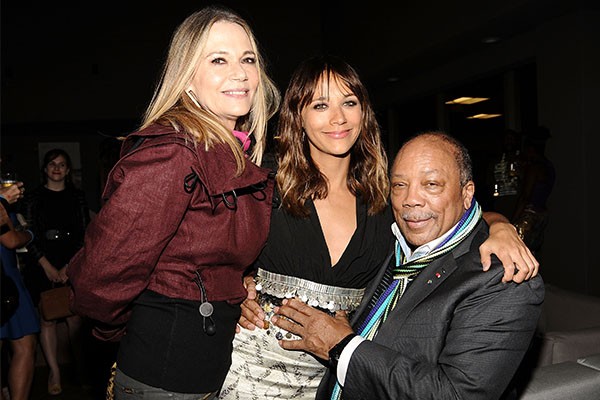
x,y
468,192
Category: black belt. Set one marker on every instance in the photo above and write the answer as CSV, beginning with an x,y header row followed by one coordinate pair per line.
x,y
57,234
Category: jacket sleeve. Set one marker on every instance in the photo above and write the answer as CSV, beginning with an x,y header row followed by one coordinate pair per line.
x,y
488,335
125,240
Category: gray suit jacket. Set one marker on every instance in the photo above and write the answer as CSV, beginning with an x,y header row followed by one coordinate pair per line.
x,y
456,333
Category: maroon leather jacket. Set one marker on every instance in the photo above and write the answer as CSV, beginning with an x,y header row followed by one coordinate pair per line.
x,y
171,208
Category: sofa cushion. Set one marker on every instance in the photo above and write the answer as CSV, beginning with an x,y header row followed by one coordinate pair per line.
x,y
567,310
557,347
567,380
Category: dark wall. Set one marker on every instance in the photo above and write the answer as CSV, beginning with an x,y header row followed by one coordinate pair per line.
x,y
72,71
98,149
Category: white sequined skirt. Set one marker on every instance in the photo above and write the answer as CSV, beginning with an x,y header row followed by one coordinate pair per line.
x,y
260,368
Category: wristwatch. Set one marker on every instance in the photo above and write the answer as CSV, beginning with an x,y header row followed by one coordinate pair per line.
x,y
336,351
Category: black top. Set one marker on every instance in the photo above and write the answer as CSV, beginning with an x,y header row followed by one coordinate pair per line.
x,y
65,212
184,358
297,247
58,220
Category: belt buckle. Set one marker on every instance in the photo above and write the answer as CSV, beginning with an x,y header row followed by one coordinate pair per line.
x,y
56,234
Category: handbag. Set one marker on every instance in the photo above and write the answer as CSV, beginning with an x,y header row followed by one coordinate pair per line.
x,y
10,297
54,303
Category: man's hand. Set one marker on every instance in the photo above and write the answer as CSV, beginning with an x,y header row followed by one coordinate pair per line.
x,y
319,331
518,261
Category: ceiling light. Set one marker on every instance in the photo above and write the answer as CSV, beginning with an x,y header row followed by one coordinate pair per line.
x,y
490,39
484,116
467,100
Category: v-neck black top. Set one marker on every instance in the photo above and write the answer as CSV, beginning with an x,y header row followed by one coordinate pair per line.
x,y
297,247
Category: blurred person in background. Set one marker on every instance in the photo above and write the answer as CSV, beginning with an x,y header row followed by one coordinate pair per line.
x,y
531,213
21,326
57,213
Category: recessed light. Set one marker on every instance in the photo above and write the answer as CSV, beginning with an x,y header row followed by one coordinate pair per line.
x,y
484,116
467,100
490,40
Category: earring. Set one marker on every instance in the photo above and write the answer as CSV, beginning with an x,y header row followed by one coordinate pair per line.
x,y
192,97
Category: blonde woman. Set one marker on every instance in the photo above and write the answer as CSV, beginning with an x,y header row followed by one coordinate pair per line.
x,y
187,211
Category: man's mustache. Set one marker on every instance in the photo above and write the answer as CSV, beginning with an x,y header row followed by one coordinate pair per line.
x,y
414,217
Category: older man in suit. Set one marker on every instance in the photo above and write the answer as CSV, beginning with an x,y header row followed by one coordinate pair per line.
x,y
431,325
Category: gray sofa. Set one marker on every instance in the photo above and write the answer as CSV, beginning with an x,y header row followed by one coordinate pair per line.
x,y
564,360
568,380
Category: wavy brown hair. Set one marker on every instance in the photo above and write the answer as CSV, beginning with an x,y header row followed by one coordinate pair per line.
x,y
298,178
170,104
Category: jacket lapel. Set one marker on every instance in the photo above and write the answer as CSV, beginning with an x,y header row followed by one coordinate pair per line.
x,y
418,290
421,287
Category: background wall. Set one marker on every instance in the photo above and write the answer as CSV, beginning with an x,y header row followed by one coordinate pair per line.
x,y
85,74
566,52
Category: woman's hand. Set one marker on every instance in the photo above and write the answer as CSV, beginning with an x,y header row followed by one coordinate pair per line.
x,y
62,274
51,272
518,261
4,218
252,313
13,192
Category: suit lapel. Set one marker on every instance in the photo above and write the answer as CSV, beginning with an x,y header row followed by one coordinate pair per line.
x,y
420,288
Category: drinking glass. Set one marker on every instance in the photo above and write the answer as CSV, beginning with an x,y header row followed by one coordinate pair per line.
x,y
8,178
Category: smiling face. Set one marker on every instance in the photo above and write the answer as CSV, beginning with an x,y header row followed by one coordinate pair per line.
x,y
332,120
57,169
427,196
226,77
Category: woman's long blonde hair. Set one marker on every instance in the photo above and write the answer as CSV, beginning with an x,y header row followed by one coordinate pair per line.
x,y
171,105
298,178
